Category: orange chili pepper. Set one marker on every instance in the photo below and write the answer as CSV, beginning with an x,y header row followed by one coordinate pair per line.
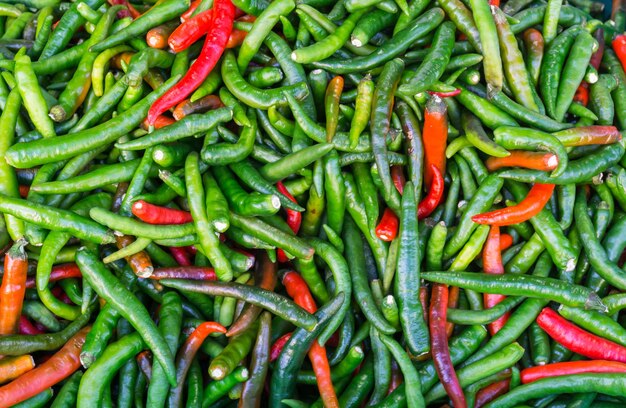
x,y
492,263
521,158
435,135
537,198
13,287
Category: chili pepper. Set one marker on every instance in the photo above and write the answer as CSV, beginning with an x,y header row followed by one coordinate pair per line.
x,y
278,346
387,228
54,370
531,374
297,289
13,287
435,194
579,340
108,287
216,38
186,355
331,104
534,202
434,136
619,47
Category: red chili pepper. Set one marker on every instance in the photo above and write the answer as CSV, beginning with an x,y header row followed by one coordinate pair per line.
x,y
596,57
387,228
132,11
435,135
181,256
439,346
595,135
492,263
236,38
396,377
491,392
445,94
619,46
13,287
578,340
154,214
531,374
24,191
120,14
221,25
297,288
582,94
26,327
495,3
184,272
160,122
397,175
528,160
294,219
278,346
60,366
506,241
537,198
58,292
435,193
190,31
144,361
59,272
192,8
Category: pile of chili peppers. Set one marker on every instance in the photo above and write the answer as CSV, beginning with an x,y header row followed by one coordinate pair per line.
x,y
352,203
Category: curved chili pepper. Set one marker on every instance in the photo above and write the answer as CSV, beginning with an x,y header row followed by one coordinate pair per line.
x,y
13,287
439,345
435,194
435,135
222,19
278,346
190,11
154,214
582,94
537,198
578,340
492,263
387,228
531,374
299,291
58,367
144,361
506,240
160,122
186,355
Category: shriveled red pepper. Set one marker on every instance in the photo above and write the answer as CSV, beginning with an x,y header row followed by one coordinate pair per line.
x,y
531,374
278,346
492,263
13,287
184,272
521,158
435,135
439,345
297,288
59,272
619,46
537,198
434,196
60,366
578,340
387,228
221,25
154,214
397,175
491,392
294,218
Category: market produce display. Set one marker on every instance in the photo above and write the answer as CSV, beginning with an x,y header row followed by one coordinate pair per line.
x,y
352,203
